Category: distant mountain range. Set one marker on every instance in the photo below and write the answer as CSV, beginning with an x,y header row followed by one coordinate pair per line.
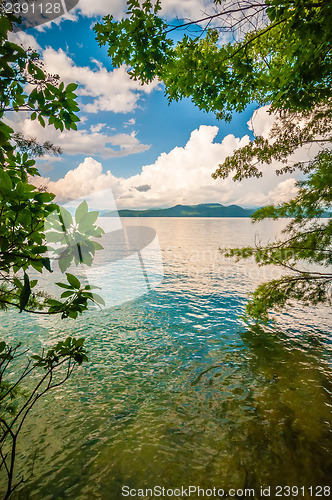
x,y
202,210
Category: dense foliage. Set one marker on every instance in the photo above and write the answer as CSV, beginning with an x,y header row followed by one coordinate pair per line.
x,y
26,212
24,208
281,54
276,53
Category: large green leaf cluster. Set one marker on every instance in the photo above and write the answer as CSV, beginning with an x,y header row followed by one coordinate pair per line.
x,y
26,212
306,240
48,101
286,62
138,40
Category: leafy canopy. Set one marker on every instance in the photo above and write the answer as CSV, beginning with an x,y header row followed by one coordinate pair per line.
x,y
284,61
26,211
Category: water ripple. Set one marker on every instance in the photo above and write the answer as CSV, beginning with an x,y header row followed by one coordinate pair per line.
x,y
177,390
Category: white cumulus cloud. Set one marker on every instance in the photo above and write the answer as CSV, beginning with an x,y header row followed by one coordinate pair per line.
x,y
83,180
108,90
25,39
262,121
118,8
75,142
102,7
181,176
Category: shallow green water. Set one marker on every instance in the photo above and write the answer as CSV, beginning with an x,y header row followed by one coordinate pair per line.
x,y
178,391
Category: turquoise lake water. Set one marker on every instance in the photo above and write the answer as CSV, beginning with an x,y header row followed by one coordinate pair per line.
x,y
178,391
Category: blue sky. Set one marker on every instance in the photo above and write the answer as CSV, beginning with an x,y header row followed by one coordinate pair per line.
x,y
129,136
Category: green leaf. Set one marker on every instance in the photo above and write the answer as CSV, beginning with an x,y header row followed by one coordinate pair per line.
x,y
97,298
81,211
25,293
88,221
47,264
41,120
66,218
54,303
37,265
64,261
5,181
5,26
44,197
73,281
97,245
91,287
64,285
71,87
54,237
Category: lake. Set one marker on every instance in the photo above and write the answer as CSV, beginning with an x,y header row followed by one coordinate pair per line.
x,y
178,390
